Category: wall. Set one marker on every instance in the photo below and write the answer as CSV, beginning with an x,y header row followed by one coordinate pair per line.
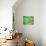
x,y
6,16
6,13
28,8
43,22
